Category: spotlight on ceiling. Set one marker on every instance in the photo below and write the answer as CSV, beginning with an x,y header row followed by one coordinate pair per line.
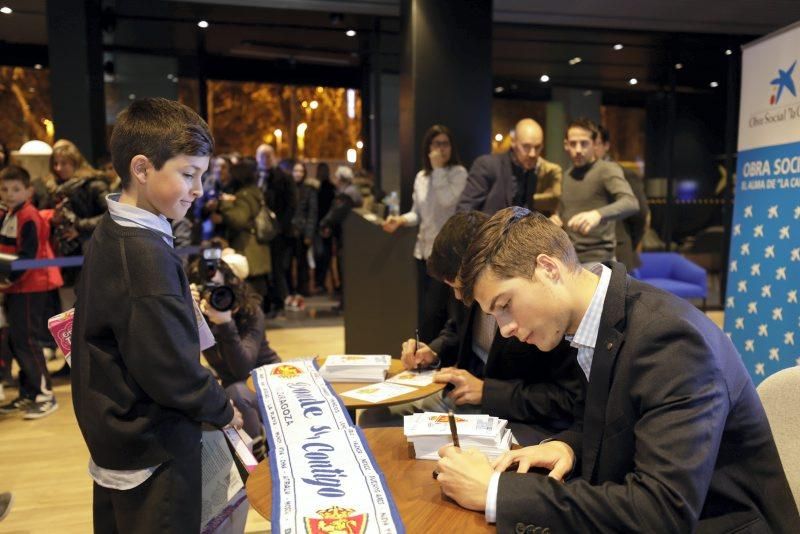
x,y
713,85
544,78
575,60
633,81
350,33
5,10
678,66
203,24
618,46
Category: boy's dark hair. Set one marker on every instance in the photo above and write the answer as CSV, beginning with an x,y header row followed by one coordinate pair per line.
x,y
432,132
16,173
160,129
509,243
584,124
244,173
451,244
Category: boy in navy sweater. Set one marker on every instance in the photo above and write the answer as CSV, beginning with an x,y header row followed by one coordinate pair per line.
x,y
139,391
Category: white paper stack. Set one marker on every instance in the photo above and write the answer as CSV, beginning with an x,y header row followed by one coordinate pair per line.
x,y
429,431
356,368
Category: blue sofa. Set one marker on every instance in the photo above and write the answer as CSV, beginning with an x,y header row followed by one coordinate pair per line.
x,y
672,272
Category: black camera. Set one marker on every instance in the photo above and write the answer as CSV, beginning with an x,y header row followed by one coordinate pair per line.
x,y
219,296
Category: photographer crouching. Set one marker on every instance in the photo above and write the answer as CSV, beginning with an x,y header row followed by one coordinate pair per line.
x,y
234,314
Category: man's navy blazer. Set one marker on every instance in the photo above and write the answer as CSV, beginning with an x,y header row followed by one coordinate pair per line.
x,y
673,437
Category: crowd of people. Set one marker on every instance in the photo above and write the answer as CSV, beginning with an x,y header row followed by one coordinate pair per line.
x,y
630,393
55,215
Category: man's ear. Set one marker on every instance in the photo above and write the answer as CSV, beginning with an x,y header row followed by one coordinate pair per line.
x,y
549,267
140,167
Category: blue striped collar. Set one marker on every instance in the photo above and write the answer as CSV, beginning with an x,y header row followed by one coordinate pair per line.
x,y
133,217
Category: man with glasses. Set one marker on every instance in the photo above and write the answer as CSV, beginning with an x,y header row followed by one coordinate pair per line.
x,y
519,177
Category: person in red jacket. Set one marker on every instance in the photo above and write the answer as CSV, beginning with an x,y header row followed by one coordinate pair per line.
x,y
25,234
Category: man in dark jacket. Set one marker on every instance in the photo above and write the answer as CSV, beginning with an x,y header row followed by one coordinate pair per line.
x,y
535,390
519,177
280,193
673,437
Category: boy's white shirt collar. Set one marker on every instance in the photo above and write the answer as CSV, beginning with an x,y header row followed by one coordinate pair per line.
x,y
131,216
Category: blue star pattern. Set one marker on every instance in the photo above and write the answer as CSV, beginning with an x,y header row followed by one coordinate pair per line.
x,y
762,313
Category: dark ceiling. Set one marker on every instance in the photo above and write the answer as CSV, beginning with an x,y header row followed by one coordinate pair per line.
x,y
531,38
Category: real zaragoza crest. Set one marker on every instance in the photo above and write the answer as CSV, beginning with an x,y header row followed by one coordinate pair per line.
x,y
287,371
336,520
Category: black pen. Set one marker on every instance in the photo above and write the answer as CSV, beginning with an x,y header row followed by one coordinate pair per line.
x,y
453,430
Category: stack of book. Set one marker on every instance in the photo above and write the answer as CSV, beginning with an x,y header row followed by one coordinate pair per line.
x,y
356,368
429,431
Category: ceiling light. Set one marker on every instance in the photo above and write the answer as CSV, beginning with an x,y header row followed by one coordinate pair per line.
x,y
728,52
678,66
633,81
203,24
5,10
575,60
131,96
544,78
359,144
38,66
499,89
313,104
350,33
498,137
618,46
713,84
587,92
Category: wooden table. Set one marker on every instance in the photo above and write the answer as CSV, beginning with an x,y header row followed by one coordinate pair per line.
x,y
419,500
354,404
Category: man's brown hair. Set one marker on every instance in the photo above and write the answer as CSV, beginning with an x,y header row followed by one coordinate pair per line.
x,y
584,124
160,129
509,243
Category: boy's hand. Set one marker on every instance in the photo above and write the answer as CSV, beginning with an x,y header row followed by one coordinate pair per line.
x,y
236,421
412,356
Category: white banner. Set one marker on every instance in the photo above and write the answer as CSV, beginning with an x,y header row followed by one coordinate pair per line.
x,y
324,478
762,314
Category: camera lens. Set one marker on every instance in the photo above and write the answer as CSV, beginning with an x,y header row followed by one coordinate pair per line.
x,y
222,298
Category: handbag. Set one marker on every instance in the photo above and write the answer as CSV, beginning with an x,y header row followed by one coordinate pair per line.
x,y
266,224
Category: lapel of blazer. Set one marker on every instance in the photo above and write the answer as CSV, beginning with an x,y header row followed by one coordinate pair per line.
x,y
609,339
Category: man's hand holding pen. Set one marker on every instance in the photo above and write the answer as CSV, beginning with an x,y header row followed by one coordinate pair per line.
x,y
463,474
414,356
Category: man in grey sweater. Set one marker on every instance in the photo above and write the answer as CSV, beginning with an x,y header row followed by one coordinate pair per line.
x,y
595,194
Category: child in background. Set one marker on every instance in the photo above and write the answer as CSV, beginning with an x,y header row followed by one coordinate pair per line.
x,y
25,234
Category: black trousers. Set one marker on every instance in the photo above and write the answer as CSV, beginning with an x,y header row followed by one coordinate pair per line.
x,y
432,299
281,259
299,252
167,502
322,258
26,321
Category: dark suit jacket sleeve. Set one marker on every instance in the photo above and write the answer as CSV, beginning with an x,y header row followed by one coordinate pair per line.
x,y
551,399
479,181
446,343
680,415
